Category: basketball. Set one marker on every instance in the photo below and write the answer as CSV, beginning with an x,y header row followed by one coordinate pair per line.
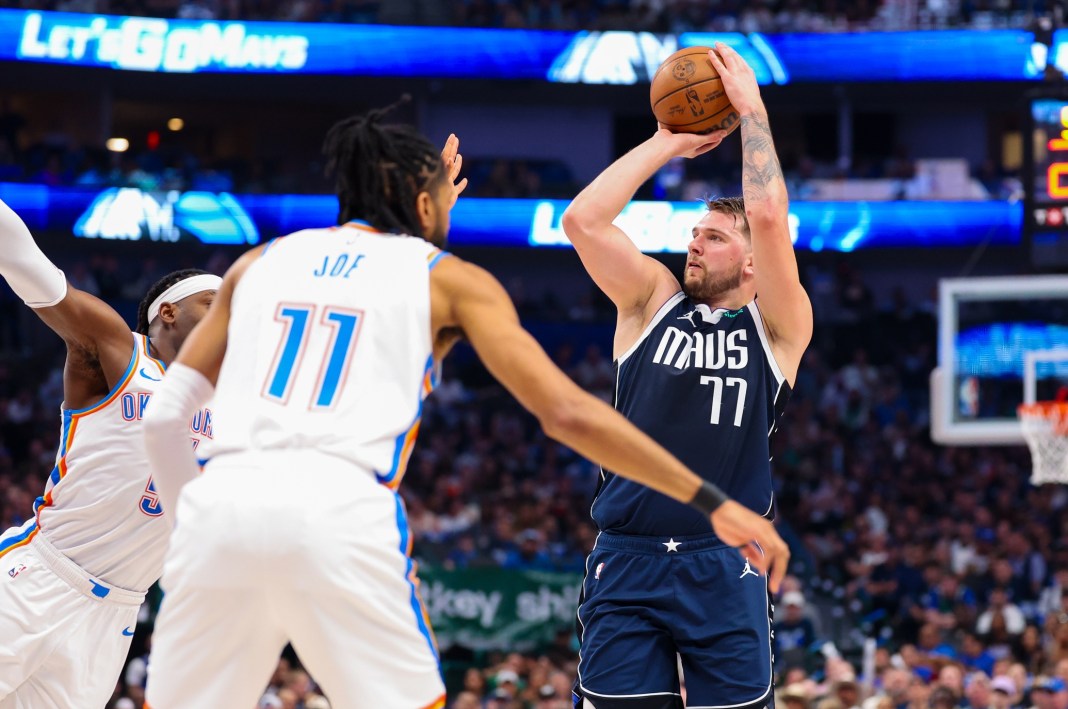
x,y
687,95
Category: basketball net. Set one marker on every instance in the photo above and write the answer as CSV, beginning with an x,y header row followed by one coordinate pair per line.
x,y
1045,426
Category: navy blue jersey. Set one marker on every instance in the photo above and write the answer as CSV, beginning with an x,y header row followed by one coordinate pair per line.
x,y
704,385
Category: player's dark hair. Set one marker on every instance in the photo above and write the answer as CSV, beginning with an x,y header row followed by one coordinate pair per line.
x,y
379,170
157,290
730,205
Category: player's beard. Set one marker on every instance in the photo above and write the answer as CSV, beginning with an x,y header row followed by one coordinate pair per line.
x,y
438,236
711,285
440,233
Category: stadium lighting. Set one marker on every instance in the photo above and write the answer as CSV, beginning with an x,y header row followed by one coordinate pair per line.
x,y
117,145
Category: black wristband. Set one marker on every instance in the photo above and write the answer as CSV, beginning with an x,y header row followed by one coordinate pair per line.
x,y
708,498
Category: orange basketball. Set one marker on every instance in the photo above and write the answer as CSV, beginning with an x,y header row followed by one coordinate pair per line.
x,y
688,97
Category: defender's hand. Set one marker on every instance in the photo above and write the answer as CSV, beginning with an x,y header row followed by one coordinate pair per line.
x,y
688,145
756,538
453,161
738,79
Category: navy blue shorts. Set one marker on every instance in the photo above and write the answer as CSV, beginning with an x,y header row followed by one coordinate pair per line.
x,y
646,603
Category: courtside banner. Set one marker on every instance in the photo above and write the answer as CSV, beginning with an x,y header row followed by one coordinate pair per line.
x,y
192,46
128,214
498,609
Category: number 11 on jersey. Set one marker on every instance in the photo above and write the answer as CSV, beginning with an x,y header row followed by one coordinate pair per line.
x,y
298,319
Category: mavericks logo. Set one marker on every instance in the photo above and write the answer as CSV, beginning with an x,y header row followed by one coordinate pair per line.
x,y
130,214
714,350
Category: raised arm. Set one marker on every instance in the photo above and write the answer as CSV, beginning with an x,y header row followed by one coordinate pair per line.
x,y
189,384
628,277
468,297
98,340
784,305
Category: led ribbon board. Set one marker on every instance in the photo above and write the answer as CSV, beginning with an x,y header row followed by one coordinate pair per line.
x,y
128,214
837,226
190,46
187,46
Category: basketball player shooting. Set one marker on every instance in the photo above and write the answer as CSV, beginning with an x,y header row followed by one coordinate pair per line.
x,y
319,351
77,571
705,370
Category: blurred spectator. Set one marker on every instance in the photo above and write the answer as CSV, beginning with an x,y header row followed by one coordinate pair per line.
x,y
529,553
466,700
847,692
1049,693
1002,692
977,691
1050,600
1001,615
136,677
794,696
974,654
794,633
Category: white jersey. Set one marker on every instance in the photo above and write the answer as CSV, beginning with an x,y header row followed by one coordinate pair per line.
x,y
329,348
100,508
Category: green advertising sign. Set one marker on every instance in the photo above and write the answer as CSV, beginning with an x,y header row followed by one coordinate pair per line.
x,y
498,609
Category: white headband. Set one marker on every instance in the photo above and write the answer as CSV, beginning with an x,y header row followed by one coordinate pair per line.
x,y
183,289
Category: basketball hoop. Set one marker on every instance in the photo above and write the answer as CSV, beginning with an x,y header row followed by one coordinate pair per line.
x,y
1045,426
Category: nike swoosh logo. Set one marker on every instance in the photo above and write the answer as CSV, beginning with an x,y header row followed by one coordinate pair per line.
x,y
145,375
127,632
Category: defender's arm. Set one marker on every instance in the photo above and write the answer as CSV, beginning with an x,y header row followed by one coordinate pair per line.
x,y
188,385
97,337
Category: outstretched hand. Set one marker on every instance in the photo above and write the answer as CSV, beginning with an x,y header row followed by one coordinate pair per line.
x,y
739,81
689,145
450,155
755,537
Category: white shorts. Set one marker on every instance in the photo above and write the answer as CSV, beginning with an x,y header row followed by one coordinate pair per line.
x,y
63,635
291,547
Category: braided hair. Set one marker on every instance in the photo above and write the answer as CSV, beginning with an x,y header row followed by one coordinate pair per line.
x,y
380,169
157,290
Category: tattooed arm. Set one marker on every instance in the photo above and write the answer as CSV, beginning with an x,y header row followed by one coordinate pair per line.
x,y
783,302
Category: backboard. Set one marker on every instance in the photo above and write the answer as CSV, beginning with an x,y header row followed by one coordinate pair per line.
x,y
1002,341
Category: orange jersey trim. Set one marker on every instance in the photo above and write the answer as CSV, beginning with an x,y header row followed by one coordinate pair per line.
x,y
436,704
29,539
144,348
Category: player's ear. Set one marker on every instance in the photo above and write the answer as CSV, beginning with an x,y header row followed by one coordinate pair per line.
x,y
168,313
424,208
747,265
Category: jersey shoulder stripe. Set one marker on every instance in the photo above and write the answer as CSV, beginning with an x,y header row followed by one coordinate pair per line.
x,y
434,258
144,345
